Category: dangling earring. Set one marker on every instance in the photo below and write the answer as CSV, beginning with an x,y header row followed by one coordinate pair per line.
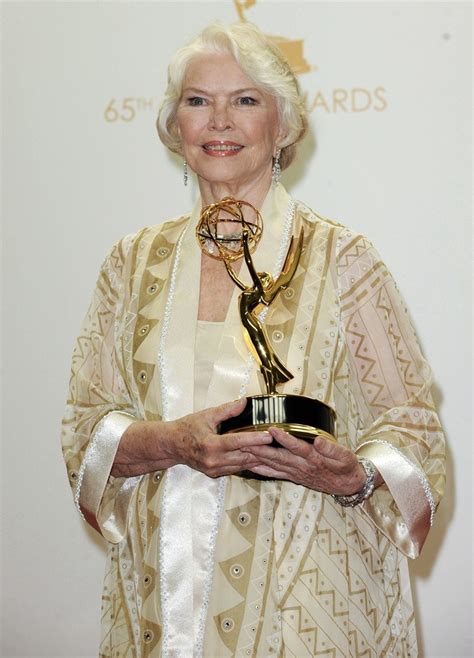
x,y
185,172
276,169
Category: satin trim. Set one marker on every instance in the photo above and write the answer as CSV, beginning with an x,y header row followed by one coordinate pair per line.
x,y
176,560
176,554
94,475
411,491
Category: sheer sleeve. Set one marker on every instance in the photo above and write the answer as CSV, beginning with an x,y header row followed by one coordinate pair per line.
x,y
99,407
396,425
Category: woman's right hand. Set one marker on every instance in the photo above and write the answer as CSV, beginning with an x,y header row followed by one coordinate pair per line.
x,y
149,446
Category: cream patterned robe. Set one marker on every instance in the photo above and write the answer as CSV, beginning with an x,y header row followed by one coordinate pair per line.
x,y
287,572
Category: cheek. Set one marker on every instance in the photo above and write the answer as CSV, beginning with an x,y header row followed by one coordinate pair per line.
x,y
186,139
269,130
184,125
189,130
274,126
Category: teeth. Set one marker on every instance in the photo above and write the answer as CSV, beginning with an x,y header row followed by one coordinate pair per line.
x,y
222,147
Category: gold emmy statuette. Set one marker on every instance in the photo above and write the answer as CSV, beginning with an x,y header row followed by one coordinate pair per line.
x,y
225,234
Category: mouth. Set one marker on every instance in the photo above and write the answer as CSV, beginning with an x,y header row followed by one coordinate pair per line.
x,y
222,149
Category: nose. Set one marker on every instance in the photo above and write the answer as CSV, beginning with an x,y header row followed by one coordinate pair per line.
x,y
220,118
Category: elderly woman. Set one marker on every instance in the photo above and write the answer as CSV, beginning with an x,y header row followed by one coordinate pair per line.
x,y
310,557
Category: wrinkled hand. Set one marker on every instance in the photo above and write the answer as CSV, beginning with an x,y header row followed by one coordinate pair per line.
x,y
148,446
322,465
194,442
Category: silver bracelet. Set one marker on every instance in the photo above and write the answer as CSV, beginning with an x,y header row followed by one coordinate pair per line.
x,y
367,489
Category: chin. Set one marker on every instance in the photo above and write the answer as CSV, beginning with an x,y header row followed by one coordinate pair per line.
x,y
242,177
220,178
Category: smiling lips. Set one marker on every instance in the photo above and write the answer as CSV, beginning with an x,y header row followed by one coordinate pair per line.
x,y
222,149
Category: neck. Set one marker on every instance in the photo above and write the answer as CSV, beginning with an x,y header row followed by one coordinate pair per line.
x,y
254,192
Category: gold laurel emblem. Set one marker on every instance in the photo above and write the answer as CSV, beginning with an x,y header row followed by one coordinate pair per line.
x,y
291,48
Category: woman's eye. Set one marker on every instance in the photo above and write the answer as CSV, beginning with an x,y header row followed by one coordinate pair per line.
x,y
196,100
247,100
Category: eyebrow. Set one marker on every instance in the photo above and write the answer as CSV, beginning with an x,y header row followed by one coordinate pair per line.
x,y
246,90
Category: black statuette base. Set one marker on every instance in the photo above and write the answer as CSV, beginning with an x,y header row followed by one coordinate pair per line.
x,y
298,415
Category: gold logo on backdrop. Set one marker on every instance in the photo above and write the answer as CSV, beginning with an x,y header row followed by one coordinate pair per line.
x,y
292,48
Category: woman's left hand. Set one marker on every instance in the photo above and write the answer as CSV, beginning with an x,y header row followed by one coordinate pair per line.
x,y
322,465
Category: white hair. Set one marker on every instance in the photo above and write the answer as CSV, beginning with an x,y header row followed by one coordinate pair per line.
x,y
260,59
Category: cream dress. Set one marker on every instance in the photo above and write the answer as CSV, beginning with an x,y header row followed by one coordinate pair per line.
x,y
237,567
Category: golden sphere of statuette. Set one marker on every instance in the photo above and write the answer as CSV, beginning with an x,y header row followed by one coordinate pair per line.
x,y
221,225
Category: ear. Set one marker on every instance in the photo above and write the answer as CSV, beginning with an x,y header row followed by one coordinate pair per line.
x,y
279,145
177,130
281,137
180,147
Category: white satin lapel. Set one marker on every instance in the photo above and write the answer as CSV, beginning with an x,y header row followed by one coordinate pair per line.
x,y
274,214
176,528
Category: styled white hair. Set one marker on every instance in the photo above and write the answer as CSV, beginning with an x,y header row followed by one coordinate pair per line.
x,y
260,59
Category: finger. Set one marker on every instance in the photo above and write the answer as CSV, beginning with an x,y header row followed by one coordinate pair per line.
x,y
264,451
281,460
233,463
330,449
240,465
242,440
268,471
291,443
227,410
278,458
230,469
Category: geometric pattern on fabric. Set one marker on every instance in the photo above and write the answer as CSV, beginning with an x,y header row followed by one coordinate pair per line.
x,y
294,574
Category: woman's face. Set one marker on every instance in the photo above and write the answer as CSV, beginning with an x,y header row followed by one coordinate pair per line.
x,y
229,128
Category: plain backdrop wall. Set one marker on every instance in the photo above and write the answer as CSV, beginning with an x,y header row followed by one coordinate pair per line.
x,y
388,154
